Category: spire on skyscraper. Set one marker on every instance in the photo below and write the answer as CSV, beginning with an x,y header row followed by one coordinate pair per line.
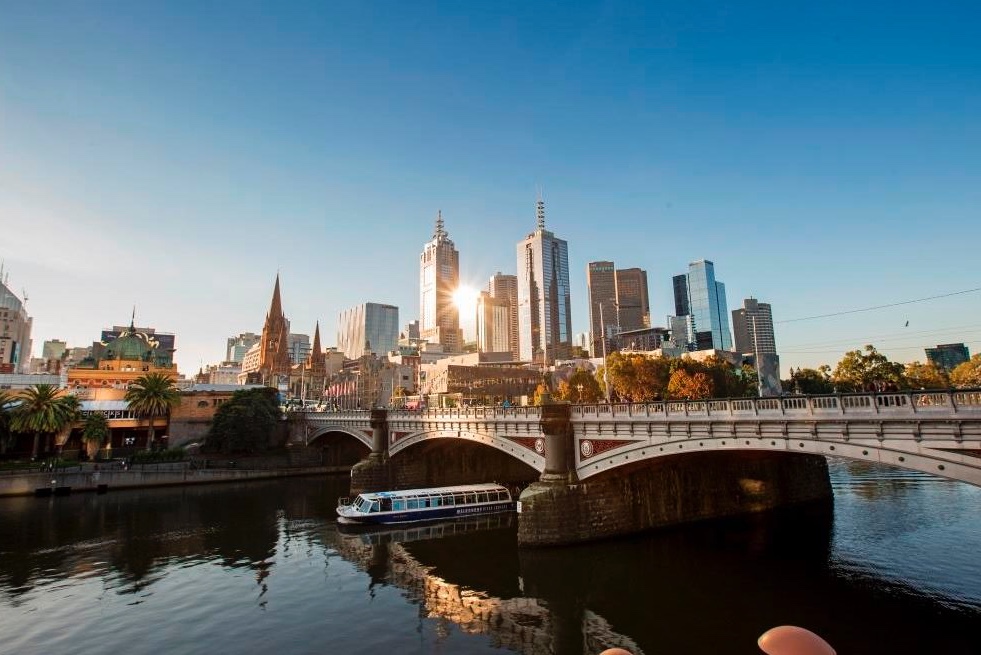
x,y
440,231
540,211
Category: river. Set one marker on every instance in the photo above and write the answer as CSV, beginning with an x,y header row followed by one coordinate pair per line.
x,y
894,567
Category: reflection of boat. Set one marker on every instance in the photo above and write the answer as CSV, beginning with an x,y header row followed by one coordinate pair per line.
x,y
425,504
437,529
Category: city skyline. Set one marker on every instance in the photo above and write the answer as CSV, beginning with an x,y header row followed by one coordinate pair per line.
x,y
813,167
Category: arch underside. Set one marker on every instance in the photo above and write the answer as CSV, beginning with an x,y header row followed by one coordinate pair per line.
x,y
948,459
320,432
507,446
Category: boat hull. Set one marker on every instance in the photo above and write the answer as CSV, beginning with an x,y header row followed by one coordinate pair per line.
x,y
353,517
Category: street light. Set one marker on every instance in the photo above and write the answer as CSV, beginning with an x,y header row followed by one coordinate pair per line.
x,y
606,375
756,359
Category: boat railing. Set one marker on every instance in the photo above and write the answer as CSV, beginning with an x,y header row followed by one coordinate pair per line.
x,y
343,502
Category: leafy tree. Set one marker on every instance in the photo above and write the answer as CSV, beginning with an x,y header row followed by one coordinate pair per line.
x,y
689,386
812,381
44,410
7,404
152,395
95,431
858,370
540,391
925,376
967,374
245,423
581,387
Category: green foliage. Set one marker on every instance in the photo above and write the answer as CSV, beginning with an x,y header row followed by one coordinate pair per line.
x,y
858,370
581,387
689,386
152,395
6,410
245,423
95,429
925,376
968,374
811,381
43,409
638,378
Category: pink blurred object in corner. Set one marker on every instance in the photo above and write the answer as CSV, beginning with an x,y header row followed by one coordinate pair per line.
x,y
791,640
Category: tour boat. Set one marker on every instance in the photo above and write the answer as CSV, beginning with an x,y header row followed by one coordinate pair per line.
x,y
383,507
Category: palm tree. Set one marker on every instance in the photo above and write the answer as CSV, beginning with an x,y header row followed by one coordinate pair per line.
x,y
7,403
44,410
152,395
94,431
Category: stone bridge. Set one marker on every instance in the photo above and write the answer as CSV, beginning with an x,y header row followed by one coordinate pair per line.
x,y
669,461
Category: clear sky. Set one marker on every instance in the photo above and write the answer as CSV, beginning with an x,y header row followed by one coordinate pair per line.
x,y
175,155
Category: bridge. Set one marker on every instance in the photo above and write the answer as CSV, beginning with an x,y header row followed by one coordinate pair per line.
x,y
757,442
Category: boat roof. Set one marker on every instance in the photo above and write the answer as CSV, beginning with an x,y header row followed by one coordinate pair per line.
x,y
464,488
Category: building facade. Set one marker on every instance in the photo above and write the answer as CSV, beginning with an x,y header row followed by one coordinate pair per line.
x,y
236,347
752,327
601,284
704,298
948,356
633,301
299,347
439,277
368,327
132,353
544,303
493,324
15,332
505,288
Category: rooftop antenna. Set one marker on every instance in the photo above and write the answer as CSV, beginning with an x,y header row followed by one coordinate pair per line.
x,y
440,231
540,210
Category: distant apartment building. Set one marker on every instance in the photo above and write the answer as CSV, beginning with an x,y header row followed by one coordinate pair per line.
x,y
948,356
439,278
633,301
544,299
753,329
699,295
15,332
224,373
411,330
298,346
53,349
237,346
505,288
368,328
601,285
493,324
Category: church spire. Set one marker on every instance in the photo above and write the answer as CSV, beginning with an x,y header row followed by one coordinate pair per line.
x,y
440,230
315,351
276,306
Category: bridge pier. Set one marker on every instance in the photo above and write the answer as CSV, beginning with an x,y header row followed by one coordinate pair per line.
x,y
374,473
558,509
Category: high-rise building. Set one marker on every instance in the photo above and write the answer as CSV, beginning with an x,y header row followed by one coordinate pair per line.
x,y
53,349
493,324
15,331
705,299
299,347
948,356
439,277
601,284
411,330
237,346
752,327
633,302
505,288
368,327
544,316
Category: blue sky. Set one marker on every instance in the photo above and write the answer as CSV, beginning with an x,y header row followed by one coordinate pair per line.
x,y
174,156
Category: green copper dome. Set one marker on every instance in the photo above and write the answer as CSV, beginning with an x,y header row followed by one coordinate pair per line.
x,y
129,346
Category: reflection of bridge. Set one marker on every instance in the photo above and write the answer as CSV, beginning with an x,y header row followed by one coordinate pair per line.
x,y
936,432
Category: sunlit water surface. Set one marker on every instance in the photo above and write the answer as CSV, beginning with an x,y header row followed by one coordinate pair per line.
x,y
894,567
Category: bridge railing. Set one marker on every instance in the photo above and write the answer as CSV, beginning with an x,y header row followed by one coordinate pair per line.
x,y
891,403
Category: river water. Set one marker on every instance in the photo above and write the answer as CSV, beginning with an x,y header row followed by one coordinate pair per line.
x,y
893,567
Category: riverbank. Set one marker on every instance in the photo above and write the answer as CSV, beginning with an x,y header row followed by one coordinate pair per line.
x,y
107,479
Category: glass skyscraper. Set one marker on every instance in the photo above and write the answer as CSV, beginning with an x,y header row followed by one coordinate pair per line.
x,y
544,317
368,327
705,299
439,277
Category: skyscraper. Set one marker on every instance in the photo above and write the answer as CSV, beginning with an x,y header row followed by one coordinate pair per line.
x,y
299,347
369,327
493,324
15,331
704,298
752,327
237,346
505,288
948,356
633,303
439,277
544,318
601,284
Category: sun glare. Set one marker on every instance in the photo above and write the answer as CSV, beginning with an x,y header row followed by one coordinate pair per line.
x,y
465,297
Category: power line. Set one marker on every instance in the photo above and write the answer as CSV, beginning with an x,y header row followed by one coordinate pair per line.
x,y
869,309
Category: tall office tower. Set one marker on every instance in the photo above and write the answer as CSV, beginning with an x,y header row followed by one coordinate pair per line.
x,y
274,356
493,324
439,277
53,349
601,284
633,303
299,347
15,331
752,327
544,317
369,327
706,304
237,346
505,288
948,356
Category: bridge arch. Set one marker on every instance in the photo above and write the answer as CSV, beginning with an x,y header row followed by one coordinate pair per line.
x,y
322,431
533,456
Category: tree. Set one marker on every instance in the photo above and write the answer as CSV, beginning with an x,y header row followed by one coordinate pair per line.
x,y
967,374
95,430
860,371
7,404
44,410
152,395
540,391
244,423
581,388
925,376
687,386
811,381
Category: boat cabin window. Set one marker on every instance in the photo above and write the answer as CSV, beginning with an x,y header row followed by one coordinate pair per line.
x,y
448,499
398,505
482,497
413,503
471,498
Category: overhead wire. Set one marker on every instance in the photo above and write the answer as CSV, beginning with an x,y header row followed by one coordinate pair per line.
x,y
886,306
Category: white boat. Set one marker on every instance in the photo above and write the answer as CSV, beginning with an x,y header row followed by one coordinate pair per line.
x,y
409,505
